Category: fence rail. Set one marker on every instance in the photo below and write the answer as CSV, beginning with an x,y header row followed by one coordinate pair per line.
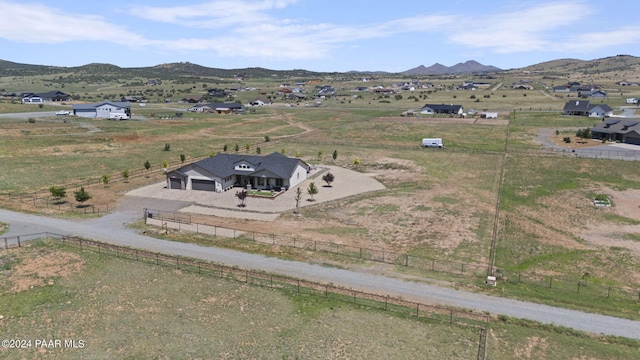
x,y
261,278
183,222
434,313
579,287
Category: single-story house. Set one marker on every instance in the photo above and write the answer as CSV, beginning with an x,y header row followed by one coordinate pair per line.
x,y
585,108
623,130
224,171
260,102
489,115
601,110
32,99
217,107
105,109
442,109
54,95
592,94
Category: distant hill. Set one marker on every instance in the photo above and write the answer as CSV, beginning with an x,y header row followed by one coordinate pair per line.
x,y
468,67
560,67
621,65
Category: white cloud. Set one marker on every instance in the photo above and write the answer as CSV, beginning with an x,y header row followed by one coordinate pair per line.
x,y
37,23
214,14
537,28
590,41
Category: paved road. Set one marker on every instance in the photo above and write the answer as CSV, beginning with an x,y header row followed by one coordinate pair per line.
x,y
111,229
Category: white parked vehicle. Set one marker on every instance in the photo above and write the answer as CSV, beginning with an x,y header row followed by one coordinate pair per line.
x,y
432,142
118,116
63,112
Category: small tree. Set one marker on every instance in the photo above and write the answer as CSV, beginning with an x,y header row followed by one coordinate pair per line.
x,y
225,148
242,197
125,175
165,165
182,158
267,138
81,195
57,192
105,179
258,150
312,190
297,154
335,155
237,148
328,178
298,198
282,151
356,162
247,147
319,156
147,165
167,147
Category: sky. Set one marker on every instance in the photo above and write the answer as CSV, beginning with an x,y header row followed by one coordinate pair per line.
x,y
316,35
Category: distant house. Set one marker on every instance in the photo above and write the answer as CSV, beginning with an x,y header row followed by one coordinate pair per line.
x,y
622,130
224,171
442,109
561,88
599,94
55,95
600,110
585,108
105,109
32,99
217,107
260,102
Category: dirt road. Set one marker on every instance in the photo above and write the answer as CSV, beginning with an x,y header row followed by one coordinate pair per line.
x,y
111,229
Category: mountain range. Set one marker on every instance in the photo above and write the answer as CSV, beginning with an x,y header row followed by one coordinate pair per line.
x,y
561,67
468,67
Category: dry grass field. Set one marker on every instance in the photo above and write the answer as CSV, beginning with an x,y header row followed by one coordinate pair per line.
x,y
439,204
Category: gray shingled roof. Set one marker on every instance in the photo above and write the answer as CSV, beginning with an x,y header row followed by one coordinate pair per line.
x,y
443,107
222,165
94,106
617,126
577,105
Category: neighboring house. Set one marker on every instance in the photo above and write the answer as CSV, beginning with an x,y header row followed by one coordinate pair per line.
x,y
598,94
585,108
622,130
260,102
522,87
54,95
601,110
200,108
105,109
224,171
489,115
442,109
561,88
32,99
217,107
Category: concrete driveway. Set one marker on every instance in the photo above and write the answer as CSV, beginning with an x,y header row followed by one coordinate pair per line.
x,y
347,183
